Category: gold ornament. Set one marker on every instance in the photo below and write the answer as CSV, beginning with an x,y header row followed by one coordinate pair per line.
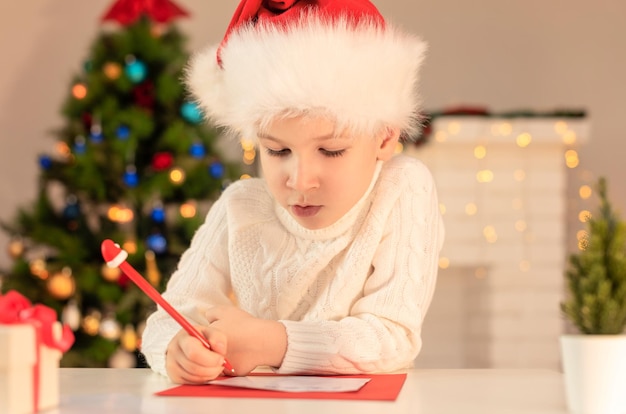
x,y
38,268
177,176
16,248
79,91
130,246
112,70
152,271
91,323
110,274
120,214
247,144
188,209
249,156
63,149
61,285
129,338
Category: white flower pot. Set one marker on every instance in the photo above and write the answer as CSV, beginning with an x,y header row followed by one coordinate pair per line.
x,y
594,368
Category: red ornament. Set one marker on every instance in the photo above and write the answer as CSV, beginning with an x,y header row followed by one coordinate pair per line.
x,y
87,120
144,95
123,280
126,12
162,161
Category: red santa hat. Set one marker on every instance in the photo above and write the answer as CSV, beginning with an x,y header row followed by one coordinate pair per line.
x,y
336,58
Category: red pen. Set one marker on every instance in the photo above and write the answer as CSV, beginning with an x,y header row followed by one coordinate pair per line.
x,y
115,256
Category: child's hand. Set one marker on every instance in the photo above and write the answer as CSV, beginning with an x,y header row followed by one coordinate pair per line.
x,y
187,361
251,341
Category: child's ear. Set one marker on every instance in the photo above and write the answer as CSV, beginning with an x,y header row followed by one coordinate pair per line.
x,y
387,143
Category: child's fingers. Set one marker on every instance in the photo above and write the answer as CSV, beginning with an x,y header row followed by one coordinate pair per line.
x,y
186,372
194,351
188,361
217,339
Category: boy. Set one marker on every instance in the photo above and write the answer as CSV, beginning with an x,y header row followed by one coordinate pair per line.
x,y
327,264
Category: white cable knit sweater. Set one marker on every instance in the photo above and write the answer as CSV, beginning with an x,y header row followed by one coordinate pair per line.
x,y
352,296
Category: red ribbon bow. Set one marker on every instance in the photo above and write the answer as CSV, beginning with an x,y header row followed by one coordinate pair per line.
x,y
16,309
126,12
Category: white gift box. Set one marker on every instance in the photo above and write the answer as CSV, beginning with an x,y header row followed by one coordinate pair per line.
x,y
18,361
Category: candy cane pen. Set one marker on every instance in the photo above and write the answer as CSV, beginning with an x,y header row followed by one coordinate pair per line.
x,y
115,256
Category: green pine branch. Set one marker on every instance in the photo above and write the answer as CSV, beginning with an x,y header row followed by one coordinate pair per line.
x,y
596,277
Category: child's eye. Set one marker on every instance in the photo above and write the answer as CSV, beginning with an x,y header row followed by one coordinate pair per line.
x,y
329,153
277,153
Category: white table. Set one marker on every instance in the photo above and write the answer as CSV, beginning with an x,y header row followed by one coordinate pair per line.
x,y
515,391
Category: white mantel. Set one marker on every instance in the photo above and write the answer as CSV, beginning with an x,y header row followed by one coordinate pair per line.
x,y
501,277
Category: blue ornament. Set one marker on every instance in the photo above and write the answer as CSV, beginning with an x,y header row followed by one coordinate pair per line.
x,y
191,112
158,214
136,70
197,150
123,132
95,133
72,209
157,243
216,169
45,162
88,66
80,146
130,176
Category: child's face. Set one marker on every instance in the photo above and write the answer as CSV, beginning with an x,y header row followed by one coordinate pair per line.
x,y
316,175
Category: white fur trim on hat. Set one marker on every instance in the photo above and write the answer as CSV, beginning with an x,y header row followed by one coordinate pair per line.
x,y
364,76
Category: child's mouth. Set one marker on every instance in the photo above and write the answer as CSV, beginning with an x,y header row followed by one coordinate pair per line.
x,y
305,211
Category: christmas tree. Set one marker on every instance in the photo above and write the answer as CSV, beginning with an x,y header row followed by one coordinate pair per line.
x,y
597,275
133,163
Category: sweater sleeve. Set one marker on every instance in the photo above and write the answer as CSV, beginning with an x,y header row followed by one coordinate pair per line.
x,y
382,333
199,282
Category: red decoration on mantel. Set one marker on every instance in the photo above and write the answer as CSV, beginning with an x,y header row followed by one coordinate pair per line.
x,y
126,12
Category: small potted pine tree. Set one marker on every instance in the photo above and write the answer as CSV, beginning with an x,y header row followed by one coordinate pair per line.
x,y
594,360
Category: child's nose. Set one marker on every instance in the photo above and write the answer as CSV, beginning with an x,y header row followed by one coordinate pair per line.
x,y
302,176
